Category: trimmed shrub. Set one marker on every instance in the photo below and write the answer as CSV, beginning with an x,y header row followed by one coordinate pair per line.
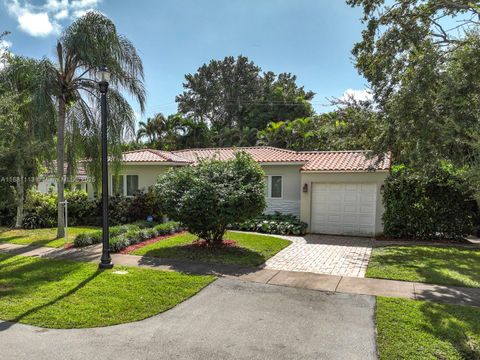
x,y
280,224
95,237
86,239
135,236
437,205
210,196
167,228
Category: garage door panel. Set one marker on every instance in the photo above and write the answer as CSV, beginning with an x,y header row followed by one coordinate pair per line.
x,y
343,208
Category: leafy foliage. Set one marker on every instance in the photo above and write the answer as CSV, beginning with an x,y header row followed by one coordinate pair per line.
x,y
234,97
425,78
281,224
41,209
123,236
351,127
210,196
89,43
438,204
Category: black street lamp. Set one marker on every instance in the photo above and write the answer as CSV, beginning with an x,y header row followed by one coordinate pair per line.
x,y
103,79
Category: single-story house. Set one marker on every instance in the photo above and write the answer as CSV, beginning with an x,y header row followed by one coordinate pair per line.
x,y
334,192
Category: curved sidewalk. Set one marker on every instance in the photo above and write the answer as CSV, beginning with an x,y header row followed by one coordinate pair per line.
x,y
303,280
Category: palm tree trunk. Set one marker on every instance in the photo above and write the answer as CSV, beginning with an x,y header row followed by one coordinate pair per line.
x,y
60,167
20,198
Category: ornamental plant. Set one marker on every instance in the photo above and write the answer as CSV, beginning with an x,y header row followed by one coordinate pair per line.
x,y
208,197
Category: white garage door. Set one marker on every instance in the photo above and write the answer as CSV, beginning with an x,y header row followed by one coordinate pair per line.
x,y
343,209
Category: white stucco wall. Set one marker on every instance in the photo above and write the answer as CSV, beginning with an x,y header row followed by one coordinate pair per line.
x,y
377,178
290,201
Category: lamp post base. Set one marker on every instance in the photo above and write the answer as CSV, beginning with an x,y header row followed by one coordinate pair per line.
x,y
105,265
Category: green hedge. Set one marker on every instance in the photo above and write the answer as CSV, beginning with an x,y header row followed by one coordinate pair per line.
x,y
95,237
41,209
280,224
133,237
125,235
434,205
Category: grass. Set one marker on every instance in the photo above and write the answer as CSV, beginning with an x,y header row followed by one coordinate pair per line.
x,y
41,237
66,294
429,264
411,329
251,249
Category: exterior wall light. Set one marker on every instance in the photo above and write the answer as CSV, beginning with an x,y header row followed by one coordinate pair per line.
x,y
305,188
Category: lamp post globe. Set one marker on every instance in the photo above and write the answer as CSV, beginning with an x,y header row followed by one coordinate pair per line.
x,y
103,79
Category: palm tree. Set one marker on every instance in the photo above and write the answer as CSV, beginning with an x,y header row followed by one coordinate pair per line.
x,y
153,129
88,43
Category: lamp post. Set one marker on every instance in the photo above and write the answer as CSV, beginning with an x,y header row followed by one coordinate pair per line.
x,y
104,78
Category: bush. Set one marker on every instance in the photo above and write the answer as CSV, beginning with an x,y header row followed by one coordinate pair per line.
x,y
437,205
280,224
125,235
41,210
210,196
95,237
135,236
8,208
126,210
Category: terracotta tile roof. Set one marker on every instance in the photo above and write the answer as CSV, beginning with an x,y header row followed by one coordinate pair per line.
x,y
261,154
343,161
149,155
311,160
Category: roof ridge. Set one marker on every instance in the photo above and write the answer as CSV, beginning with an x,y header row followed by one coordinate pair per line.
x,y
332,151
234,147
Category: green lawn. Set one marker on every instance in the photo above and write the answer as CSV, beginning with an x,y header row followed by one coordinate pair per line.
x,y
429,264
66,294
411,329
40,237
251,249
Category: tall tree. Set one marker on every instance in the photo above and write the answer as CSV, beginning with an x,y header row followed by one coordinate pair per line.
x,y
26,127
233,93
90,42
421,58
152,129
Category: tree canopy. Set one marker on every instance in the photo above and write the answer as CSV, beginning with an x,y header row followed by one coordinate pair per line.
x,y
233,96
421,58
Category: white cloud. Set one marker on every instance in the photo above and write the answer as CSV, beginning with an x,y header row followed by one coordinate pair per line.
x,y
358,95
62,14
37,24
43,19
82,4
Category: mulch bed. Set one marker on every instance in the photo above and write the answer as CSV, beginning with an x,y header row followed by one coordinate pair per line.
x,y
147,242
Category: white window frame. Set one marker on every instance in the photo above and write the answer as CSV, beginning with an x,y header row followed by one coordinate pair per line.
x,y
124,190
269,187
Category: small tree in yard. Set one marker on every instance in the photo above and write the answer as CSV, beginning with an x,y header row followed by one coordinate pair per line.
x,y
208,197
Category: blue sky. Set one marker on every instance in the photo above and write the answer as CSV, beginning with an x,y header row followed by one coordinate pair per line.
x,y
309,38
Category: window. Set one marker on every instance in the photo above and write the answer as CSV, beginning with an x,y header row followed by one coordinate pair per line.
x,y
125,187
132,184
274,186
117,187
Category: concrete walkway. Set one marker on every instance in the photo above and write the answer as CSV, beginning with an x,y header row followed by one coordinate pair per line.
x,y
294,279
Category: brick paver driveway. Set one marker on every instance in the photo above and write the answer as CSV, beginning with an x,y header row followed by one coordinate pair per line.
x,y
324,254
